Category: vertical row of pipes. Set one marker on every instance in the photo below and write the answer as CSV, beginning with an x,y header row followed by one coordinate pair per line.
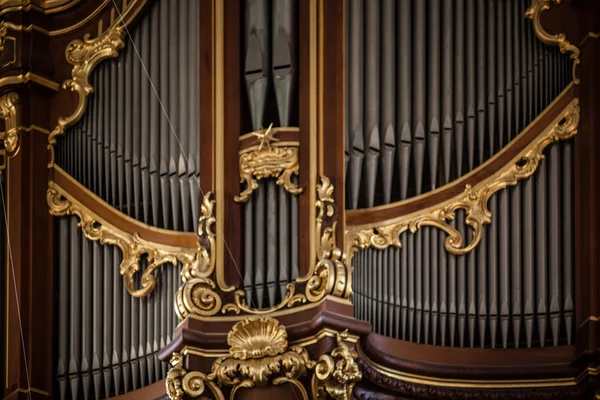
x,y
434,88
469,75
271,214
137,148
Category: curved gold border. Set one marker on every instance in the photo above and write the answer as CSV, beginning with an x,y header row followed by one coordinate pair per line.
x,y
473,383
473,200
85,55
132,246
534,13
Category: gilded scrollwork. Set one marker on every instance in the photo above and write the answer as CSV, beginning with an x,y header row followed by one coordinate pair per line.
x,y
331,275
132,245
84,55
268,161
534,13
9,111
336,374
258,356
473,200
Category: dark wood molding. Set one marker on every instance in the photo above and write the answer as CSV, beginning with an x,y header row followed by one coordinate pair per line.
x,y
401,389
468,363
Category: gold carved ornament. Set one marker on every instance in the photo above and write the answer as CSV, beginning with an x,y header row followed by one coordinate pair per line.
x,y
331,275
473,200
259,355
9,112
132,245
534,13
85,55
268,161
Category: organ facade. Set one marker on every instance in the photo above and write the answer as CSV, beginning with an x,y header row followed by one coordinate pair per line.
x,y
346,199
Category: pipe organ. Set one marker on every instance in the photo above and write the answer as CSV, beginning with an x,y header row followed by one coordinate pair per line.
x,y
335,199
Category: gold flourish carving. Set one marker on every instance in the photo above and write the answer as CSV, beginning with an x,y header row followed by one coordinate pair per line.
x,y
534,13
258,356
132,246
336,374
331,275
268,161
198,294
473,200
84,55
9,112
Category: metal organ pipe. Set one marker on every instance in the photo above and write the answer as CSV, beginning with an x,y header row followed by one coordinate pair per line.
x,y
465,77
125,150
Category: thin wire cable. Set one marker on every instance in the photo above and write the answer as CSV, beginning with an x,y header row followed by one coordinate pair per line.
x,y
12,266
219,233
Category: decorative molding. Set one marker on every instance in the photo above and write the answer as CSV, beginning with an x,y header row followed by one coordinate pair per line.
x,y
419,390
258,356
132,245
25,78
268,161
473,200
534,13
43,6
9,111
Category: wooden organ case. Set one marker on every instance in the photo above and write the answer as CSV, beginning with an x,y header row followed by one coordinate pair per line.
x,y
346,199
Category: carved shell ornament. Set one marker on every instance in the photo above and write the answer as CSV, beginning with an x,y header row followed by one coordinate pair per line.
x,y
259,355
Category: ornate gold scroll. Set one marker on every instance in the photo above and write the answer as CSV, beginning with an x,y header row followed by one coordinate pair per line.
x,y
85,54
259,356
9,112
534,13
131,244
473,200
269,160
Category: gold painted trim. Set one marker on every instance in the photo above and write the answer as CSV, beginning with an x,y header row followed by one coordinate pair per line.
x,y
43,6
473,200
219,140
472,383
61,31
18,79
9,111
277,313
304,342
534,13
28,129
85,55
313,133
132,246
